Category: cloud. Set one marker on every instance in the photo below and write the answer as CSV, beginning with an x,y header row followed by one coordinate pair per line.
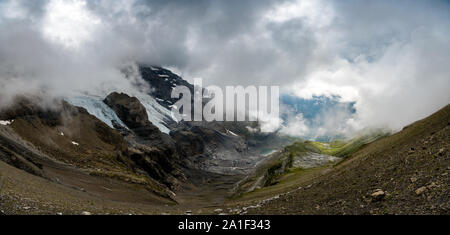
x,y
318,118
394,62
69,23
391,58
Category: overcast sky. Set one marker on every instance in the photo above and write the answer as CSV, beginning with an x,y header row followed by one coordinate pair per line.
x,y
391,57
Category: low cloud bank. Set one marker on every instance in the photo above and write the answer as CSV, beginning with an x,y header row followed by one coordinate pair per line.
x,y
390,58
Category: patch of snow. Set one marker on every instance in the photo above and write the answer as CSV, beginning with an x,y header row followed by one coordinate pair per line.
x,y
6,122
61,133
153,68
232,133
75,143
157,114
252,130
163,75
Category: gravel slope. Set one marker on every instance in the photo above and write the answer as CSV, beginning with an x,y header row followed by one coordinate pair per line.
x,y
406,173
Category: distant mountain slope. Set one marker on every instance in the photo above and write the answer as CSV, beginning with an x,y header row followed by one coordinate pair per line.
x,y
406,173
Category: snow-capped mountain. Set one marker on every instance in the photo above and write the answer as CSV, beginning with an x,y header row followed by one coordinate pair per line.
x,y
156,100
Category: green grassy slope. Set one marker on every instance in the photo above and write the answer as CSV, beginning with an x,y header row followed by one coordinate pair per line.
x,y
409,168
341,148
277,172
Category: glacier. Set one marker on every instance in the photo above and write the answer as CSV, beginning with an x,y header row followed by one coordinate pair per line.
x,y
157,114
95,106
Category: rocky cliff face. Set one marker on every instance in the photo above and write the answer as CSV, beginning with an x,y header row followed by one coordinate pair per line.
x,y
212,148
134,115
153,150
162,81
204,146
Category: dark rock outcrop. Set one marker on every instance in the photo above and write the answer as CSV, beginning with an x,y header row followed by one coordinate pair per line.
x,y
134,115
151,149
188,143
162,81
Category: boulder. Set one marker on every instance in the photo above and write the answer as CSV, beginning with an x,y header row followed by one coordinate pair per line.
x,y
378,195
421,190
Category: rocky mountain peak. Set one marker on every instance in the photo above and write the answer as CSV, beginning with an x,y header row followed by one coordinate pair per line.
x,y
162,81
